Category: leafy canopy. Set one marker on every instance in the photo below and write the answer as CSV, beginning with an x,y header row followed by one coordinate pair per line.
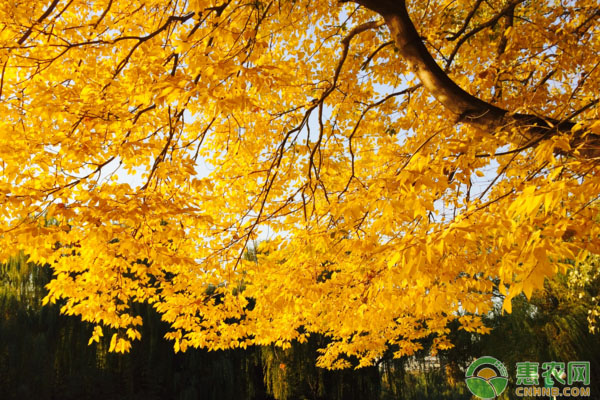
x,y
402,160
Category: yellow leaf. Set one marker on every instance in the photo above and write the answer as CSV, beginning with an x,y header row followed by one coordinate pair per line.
x,y
394,259
113,343
507,305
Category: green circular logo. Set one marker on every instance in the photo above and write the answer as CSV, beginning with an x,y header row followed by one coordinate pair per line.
x,y
486,377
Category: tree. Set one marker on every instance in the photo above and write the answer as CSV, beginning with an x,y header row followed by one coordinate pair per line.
x,y
59,363
399,157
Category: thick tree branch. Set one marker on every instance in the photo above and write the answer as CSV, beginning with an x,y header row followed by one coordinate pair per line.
x,y
468,108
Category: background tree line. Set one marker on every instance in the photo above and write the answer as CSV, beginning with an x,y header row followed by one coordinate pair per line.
x,y
45,355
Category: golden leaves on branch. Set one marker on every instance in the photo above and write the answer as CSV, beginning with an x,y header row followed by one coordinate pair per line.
x,y
145,146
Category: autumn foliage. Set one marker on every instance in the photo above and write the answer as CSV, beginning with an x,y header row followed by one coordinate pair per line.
x,y
397,162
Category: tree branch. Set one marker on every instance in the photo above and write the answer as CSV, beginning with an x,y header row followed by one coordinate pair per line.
x,y
508,9
457,34
468,108
39,20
